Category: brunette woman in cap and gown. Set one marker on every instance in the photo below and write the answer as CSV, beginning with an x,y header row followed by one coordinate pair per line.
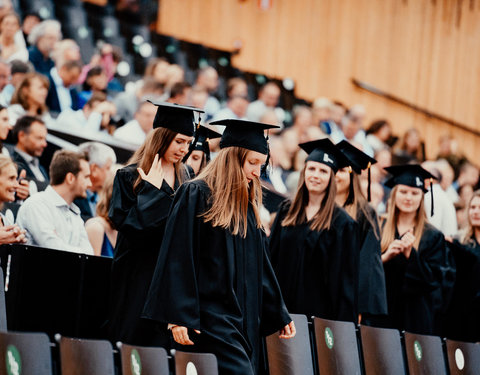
x,y
315,244
141,199
464,312
213,282
372,298
199,154
419,270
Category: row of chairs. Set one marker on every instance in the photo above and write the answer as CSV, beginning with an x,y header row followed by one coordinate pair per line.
x,y
341,349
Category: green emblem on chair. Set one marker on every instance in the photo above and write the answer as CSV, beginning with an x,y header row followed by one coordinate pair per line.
x,y
13,361
135,362
329,338
417,349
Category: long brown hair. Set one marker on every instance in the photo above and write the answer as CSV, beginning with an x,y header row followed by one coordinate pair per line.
x,y
390,226
105,195
296,215
469,232
230,192
359,204
157,142
21,97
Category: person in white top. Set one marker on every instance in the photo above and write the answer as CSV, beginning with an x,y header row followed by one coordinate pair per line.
x,y
50,218
135,131
9,49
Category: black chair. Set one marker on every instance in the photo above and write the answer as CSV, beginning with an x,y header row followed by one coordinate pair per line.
x,y
3,307
143,360
195,363
25,353
82,357
424,354
463,357
337,348
382,351
292,356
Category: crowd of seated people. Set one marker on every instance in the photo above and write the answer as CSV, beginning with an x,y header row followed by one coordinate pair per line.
x,y
65,205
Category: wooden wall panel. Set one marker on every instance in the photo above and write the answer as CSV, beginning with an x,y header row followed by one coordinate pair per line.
x,y
423,51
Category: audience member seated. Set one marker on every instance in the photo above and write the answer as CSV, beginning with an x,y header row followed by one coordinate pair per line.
x,y
101,158
175,74
62,95
208,79
9,49
409,148
30,135
352,127
237,102
94,117
157,70
18,70
135,131
30,20
42,40
30,98
50,217
180,93
268,98
9,232
4,74
322,111
101,233
127,102
298,132
5,128
378,134
95,82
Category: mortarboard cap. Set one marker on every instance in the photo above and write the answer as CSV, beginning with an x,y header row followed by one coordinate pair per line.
x,y
245,134
272,198
324,151
408,174
357,159
204,134
178,118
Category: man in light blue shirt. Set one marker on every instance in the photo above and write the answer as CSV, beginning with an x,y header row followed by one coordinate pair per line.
x,y
50,218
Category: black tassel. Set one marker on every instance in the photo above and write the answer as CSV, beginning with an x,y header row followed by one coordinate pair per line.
x,y
265,166
207,150
351,192
431,196
369,193
193,144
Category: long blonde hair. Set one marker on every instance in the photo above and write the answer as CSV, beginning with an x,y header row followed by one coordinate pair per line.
x,y
20,96
469,232
296,215
230,193
157,142
390,226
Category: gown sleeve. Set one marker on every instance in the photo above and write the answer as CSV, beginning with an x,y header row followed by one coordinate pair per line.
x,y
173,296
274,243
130,212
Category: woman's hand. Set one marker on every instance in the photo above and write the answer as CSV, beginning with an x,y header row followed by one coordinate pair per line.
x,y
12,234
155,175
395,248
23,188
288,331
180,335
408,240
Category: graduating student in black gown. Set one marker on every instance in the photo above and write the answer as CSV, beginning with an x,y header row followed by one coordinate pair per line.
x,y
141,199
213,282
419,269
464,313
315,244
199,154
372,298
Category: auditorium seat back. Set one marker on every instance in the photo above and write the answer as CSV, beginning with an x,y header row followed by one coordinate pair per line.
x,y
142,360
463,357
424,355
25,354
195,363
337,348
382,351
292,356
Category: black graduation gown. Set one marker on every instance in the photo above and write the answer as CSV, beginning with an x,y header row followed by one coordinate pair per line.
x,y
219,283
317,270
464,313
372,294
140,220
419,288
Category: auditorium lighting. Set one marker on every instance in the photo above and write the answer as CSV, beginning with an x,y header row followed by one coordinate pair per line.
x,y
123,68
288,84
261,79
44,13
170,48
145,50
202,63
223,61
137,40
82,32
108,32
